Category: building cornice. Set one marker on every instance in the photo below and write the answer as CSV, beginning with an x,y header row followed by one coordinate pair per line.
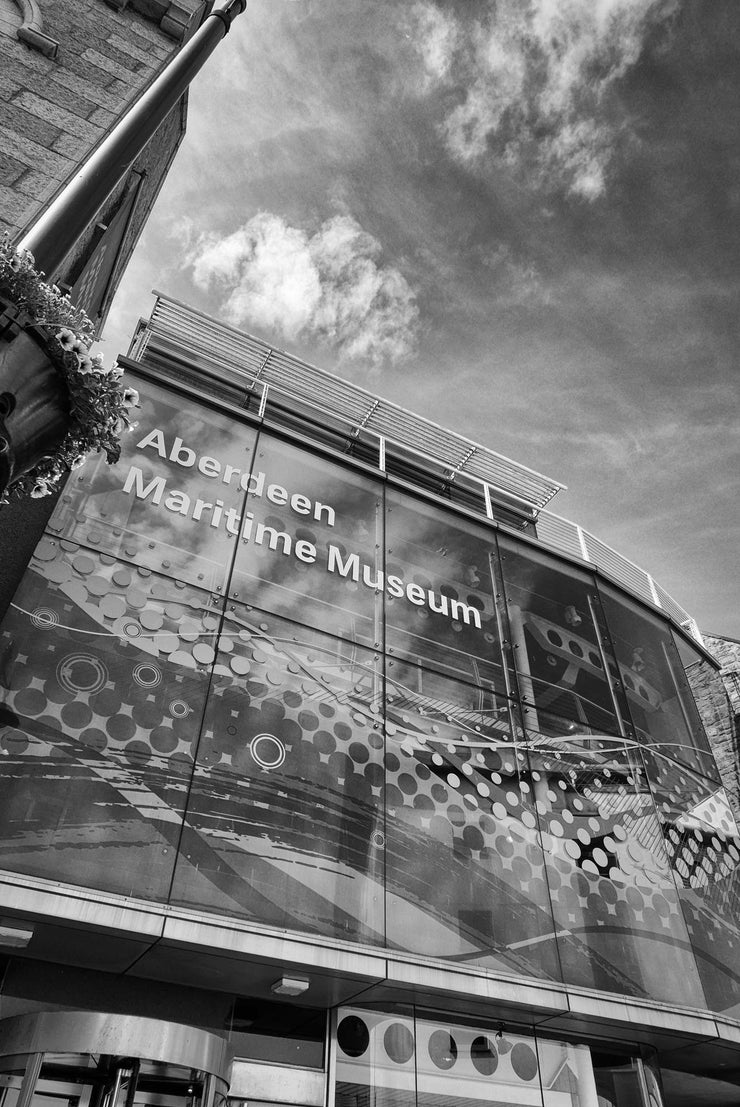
x,y
176,18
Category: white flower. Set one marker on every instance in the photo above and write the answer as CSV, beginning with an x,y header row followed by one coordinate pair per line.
x,y
130,397
41,488
78,347
85,365
67,339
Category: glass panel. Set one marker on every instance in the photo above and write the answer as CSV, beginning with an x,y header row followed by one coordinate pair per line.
x,y
464,869
284,823
560,649
618,1082
376,1062
567,1075
660,702
439,600
475,1065
280,1033
619,922
393,1060
165,505
86,1080
100,718
702,841
12,1071
311,547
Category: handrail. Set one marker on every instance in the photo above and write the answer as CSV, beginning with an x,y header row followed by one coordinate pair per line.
x,y
174,326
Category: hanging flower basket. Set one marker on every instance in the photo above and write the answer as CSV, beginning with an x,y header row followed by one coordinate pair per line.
x,y
57,404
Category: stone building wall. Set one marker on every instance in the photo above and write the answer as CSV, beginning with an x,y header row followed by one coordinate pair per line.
x,y
66,78
69,69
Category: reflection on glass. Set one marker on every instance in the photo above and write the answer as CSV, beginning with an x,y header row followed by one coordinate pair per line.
x,y
455,1063
703,844
616,909
284,821
99,725
279,1033
620,1083
174,501
105,1080
563,664
464,867
311,548
567,1075
660,702
12,1071
440,607
376,1061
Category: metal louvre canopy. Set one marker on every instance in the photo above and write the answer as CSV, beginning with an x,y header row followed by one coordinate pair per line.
x,y
243,360
253,368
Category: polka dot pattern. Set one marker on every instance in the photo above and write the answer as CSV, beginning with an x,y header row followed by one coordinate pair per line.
x,y
503,839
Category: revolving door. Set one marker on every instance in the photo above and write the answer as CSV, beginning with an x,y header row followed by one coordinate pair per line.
x,y
83,1059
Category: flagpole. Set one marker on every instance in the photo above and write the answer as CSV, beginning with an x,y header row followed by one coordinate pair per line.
x,y
60,226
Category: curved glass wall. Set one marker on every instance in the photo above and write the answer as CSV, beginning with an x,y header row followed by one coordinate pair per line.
x,y
260,682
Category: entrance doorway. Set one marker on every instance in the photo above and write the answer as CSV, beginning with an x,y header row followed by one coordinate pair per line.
x,y
79,1059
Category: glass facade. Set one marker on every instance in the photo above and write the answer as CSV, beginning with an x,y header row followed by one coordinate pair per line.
x,y
407,1060
248,679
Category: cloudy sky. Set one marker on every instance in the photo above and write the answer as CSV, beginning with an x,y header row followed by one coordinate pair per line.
x,y
518,217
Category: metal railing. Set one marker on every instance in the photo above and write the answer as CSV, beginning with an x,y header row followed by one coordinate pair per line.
x,y
222,353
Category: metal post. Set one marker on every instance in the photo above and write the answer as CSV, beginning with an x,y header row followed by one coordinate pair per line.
x,y
57,230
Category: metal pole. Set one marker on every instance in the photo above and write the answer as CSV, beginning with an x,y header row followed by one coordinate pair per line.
x,y
57,230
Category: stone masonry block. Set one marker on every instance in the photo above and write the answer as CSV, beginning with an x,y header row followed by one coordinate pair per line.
x,y
150,32
28,59
147,52
69,146
17,208
113,101
63,120
12,79
10,169
34,155
32,125
123,73
37,186
102,118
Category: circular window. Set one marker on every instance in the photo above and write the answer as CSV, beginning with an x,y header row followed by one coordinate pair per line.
x,y
399,1043
554,637
442,1049
524,1061
353,1037
483,1056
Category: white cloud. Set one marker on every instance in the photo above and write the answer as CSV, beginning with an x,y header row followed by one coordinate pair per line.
x,y
328,286
534,78
436,37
